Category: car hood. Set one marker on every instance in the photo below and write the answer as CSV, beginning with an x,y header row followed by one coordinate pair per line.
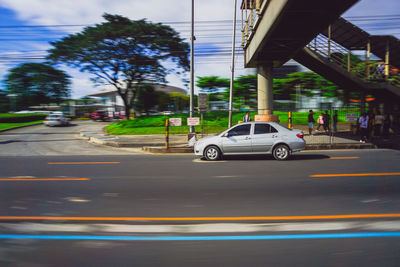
x,y
207,138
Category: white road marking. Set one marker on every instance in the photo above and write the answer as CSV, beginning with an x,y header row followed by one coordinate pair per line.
x,y
76,199
370,200
22,177
203,228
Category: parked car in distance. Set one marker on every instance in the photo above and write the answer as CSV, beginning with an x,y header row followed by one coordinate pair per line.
x,y
252,138
56,120
99,115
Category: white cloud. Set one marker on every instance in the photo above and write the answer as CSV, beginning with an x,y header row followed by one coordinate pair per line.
x,y
44,12
90,11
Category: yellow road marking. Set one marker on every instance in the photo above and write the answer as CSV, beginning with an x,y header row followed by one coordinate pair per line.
x,y
64,163
344,157
44,179
355,174
312,217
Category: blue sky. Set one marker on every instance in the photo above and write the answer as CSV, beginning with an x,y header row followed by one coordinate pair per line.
x,y
29,44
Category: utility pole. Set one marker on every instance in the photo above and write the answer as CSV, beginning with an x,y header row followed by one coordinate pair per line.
x,y
192,38
232,66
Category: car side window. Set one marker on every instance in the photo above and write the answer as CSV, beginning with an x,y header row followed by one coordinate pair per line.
x,y
264,128
240,130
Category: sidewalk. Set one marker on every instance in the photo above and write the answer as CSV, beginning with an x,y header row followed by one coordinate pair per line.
x,y
179,143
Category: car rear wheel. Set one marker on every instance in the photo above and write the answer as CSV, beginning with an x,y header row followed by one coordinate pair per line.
x,y
212,153
281,152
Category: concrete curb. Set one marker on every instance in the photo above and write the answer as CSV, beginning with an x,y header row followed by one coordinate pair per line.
x,y
339,146
22,126
160,149
109,142
168,150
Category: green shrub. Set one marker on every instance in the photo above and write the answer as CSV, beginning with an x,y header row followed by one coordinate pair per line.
x,y
17,118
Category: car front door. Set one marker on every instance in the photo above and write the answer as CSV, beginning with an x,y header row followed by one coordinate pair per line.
x,y
237,140
264,137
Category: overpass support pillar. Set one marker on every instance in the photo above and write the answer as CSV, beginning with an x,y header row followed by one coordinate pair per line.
x,y
264,93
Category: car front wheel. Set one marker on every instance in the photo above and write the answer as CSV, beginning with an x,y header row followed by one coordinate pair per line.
x,y
212,153
281,152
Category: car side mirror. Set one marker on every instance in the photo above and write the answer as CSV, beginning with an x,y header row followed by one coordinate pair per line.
x,y
225,135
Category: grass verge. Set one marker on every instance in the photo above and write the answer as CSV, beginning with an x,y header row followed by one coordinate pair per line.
x,y
6,126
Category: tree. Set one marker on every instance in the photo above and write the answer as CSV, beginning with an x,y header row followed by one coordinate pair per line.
x,y
146,98
211,84
124,53
245,89
37,83
180,101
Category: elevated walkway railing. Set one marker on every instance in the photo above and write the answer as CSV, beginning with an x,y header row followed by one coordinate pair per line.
x,y
371,71
251,10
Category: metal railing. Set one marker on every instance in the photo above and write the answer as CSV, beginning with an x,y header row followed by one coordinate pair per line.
x,y
251,10
369,70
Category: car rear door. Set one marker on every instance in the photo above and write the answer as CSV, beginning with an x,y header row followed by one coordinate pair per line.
x,y
238,140
264,137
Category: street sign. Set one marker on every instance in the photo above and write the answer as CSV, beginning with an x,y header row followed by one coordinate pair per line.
x,y
193,121
175,121
202,102
351,116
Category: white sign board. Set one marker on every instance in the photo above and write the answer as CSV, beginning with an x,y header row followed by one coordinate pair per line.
x,y
175,121
194,121
351,116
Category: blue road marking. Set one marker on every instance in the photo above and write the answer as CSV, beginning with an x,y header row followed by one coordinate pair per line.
x,y
204,238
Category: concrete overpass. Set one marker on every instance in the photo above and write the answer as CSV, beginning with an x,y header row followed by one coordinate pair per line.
x,y
275,30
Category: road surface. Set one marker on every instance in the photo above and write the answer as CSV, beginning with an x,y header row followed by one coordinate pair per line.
x,y
110,208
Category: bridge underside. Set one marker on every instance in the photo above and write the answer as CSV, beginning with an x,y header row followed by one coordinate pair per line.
x,y
287,26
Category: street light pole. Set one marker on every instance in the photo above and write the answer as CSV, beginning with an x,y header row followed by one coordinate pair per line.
x,y
192,38
232,66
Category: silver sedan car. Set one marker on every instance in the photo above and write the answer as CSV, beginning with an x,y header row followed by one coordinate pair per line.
x,y
252,138
56,120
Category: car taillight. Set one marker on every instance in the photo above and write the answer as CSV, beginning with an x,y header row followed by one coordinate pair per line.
x,y
58,120
300,135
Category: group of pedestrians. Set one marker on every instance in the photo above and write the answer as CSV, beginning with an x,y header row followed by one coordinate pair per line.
x,y
324,120
376,125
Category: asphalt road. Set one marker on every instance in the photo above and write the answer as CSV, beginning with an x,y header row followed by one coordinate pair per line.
x,y
101,208
55,141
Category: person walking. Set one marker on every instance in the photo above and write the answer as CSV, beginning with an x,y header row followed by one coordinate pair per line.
x,y
363,121
327,120
246,117
335,121
311,121
320,121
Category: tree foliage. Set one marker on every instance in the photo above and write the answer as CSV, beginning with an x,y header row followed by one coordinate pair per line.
x,y
245,87
211,84
124,53
37,83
